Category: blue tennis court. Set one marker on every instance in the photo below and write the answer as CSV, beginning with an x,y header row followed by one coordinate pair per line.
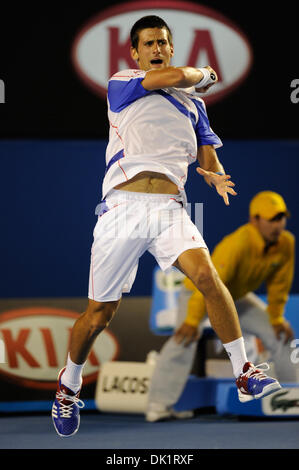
x,y
117,431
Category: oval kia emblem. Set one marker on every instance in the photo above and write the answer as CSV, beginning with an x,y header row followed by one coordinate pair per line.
x,y
36,343
201,36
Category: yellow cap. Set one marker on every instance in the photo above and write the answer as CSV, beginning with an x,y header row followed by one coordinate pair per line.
x,y
267,204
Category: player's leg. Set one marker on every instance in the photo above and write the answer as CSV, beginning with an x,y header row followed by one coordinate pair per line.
x,y
251,382
66,407
114,261
198,267
88,326
85,330
181,244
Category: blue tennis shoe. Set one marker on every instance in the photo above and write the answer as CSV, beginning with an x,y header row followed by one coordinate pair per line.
x,y
66,410
253,383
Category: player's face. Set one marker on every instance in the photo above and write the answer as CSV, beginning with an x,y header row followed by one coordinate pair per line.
x,y
154,50
271,229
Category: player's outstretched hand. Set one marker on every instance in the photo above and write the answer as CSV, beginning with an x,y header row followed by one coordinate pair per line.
x,y
222,183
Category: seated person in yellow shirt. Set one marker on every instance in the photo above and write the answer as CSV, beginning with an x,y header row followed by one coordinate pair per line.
x,y
257,252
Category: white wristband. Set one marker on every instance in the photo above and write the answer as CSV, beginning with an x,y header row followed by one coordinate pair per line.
x,y
208,78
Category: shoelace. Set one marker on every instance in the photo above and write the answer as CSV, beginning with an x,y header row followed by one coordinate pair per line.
x,y
260,375
66,410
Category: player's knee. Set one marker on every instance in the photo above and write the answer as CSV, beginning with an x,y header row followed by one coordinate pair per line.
x,y
205,277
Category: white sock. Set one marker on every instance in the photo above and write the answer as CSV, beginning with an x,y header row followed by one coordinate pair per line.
x,y
72,376
237,354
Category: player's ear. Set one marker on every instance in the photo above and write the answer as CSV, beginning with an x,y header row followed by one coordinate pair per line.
x,y
134,54
171,50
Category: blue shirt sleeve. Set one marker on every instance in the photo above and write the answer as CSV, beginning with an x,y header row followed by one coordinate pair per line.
x,y
204,134
122,93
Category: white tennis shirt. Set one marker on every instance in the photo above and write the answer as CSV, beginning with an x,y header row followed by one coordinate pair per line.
x,y
157,131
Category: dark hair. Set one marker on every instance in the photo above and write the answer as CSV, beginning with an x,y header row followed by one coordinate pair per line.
x,y
278,217
275,218
150,21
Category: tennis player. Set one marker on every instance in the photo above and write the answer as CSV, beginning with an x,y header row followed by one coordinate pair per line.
x,y
157,129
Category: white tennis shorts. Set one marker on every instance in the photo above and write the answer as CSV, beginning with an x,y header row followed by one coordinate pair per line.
x,y
129,224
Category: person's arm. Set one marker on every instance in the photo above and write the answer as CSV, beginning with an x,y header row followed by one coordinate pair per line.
x,y
208,160
207,143
278,287
180,77
209,167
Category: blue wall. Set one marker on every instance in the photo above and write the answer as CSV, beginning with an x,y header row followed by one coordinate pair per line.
x,y
49,191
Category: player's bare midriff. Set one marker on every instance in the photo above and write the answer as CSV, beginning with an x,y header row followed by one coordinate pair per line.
x,y
149,182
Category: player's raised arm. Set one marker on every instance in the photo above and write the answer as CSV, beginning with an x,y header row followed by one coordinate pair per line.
x,y
180,77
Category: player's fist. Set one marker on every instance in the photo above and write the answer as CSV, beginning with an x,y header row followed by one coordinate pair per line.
x,y
207,81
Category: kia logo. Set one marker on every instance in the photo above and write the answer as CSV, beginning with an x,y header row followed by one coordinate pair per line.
x,y
201,36
36,342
